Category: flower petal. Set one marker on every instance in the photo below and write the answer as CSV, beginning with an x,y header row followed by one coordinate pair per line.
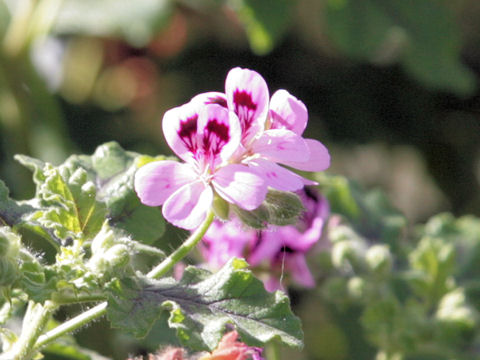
x,y
287,112
156,181
276,176
297,264
180,130
187,207
247,95
212,97
241,186
268,245
281,145
319,159
218,133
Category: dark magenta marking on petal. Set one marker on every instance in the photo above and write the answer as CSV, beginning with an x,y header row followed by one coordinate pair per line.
x,y
216,135
188,132
217,100
245,109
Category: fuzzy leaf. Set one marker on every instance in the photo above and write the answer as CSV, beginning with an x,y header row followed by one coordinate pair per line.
x,y
77,196
67,200
202,305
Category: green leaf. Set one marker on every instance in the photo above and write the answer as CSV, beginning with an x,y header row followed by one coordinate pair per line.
x,y
421,35
67,199
266,21
135,21
11,211
202,305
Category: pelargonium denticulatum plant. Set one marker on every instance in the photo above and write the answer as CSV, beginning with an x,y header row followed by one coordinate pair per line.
x,y
99,216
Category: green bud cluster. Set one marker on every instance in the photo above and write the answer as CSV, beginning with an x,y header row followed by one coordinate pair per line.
x,y
108,254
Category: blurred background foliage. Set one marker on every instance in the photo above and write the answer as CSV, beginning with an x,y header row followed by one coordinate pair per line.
x,y
391,87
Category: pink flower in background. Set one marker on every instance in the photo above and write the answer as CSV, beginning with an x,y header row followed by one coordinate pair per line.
x,y
281,248
205,137
271,130
229,348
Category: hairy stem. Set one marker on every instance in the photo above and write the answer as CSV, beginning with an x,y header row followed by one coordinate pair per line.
x,y
187,246
72,324
34,322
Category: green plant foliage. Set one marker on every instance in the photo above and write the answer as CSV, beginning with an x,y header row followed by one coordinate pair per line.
x,y
113,18
202,305
76,197
11,211
421,35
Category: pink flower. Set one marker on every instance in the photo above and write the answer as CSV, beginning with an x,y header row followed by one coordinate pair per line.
x,y
281,248
271,130
229,348
205,137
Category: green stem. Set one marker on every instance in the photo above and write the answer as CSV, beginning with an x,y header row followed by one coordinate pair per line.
x,y
100,310
167,264
72,324
34,322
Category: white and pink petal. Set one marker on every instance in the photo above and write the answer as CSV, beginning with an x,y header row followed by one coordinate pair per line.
x,y
241,186
180,130
247,95
156,181
318,159
281,145
276,177
287,112
188,206
212,97
219,133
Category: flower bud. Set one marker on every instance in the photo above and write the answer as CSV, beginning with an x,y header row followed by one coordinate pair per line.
x,y
103,240
117,256
356,287
346,253
220,207
379,259
9,242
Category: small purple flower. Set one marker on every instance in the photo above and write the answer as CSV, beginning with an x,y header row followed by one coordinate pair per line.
x,y
279,247
205,137
271,130
232,144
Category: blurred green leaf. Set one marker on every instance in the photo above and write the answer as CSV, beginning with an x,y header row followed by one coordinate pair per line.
x,y
135,21
421,34
202,305
11,211
266,21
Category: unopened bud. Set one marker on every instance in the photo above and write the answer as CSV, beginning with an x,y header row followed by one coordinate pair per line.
x,y
103,240
379,259
9,242
117,256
